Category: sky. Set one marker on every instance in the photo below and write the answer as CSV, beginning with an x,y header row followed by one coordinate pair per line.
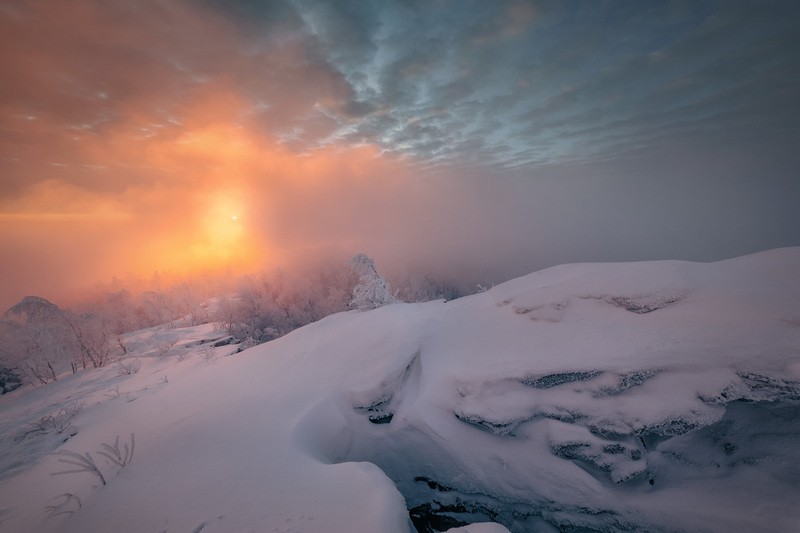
x,y
471,139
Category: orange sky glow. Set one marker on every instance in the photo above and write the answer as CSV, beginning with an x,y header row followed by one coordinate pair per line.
x,y
465,140
121,168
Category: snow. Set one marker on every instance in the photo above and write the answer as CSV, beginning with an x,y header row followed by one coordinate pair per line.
x,y
653,396
481,527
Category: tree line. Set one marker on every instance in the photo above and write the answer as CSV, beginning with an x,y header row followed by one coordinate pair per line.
x,y
39,341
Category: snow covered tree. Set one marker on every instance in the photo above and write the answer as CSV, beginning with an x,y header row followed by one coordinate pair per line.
x,y
42,340
38,336
92,339
372,291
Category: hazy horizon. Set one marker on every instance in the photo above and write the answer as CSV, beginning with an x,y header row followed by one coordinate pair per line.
x,y
476,140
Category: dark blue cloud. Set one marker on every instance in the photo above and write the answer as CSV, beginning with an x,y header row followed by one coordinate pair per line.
x,y
528,83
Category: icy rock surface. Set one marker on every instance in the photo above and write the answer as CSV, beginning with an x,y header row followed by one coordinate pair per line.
x,y
656,396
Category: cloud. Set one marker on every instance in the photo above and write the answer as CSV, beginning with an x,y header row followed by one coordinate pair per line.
x,y
57,200
562,71
316,73
483,139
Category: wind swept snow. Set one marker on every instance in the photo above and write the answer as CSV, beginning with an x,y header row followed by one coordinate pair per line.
x,y
654,396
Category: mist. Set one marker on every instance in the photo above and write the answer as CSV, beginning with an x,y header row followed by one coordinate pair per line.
x,y
470,227
208,140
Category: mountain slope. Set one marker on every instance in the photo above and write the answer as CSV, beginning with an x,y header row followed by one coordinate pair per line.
x,y
655,396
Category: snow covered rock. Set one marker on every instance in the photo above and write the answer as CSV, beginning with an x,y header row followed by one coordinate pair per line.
x,y
655,396
372,291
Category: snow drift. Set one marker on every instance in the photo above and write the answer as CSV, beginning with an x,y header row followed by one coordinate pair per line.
x,y
655,396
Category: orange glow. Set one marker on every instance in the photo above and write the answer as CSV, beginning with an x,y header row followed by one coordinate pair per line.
x,y
224,237
216,196
158,169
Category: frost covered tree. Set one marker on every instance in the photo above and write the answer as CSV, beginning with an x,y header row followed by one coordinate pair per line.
x,y
92,340
268,306
41,340
372,291
36,334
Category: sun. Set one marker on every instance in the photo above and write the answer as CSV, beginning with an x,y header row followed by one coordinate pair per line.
x,y
223,226
220,235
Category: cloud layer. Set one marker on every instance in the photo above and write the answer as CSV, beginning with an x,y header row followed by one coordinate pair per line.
x,y
481,139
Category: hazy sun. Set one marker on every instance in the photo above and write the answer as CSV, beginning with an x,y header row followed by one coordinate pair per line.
x,y
220,237
221,223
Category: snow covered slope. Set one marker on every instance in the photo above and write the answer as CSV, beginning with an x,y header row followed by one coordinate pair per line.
x,y
656,396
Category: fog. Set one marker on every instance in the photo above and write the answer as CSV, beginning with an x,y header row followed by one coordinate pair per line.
x,y
202,139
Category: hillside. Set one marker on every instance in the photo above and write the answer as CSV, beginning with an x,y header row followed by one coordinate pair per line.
x,y
653,396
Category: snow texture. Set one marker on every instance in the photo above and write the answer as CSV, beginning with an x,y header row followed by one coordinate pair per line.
x,y
654,396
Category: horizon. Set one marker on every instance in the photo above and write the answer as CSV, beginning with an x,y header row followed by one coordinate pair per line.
x,y
475,141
